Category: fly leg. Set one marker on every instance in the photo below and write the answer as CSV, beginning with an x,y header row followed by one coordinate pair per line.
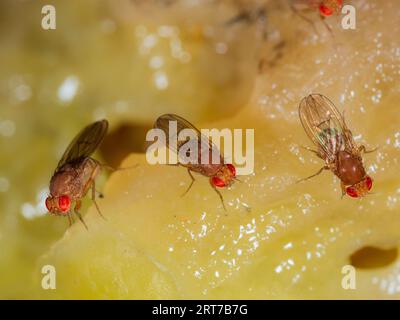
x,y
190,174
191,183
219,195
92,184
94,199
76,210
70,220
101,195
297,12
363,149
326,25
313,151
315,174
343,189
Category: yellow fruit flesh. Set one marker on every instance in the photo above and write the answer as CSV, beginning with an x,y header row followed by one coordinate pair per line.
x,y
278,238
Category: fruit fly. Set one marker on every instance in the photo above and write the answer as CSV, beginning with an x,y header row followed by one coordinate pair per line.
x,y
325,8
221,174
326,127
328,7
76,172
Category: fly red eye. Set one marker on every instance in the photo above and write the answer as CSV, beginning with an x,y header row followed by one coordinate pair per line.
x,y
325,11
368,182
64,202
352,192
218,182
47,203
232,169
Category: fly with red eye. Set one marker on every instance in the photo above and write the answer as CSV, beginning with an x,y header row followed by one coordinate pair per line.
x,y
329,7
219,182
326,128
61,204
221,174
76,172
325,8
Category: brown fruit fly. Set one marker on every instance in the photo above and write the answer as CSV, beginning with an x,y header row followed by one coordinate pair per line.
x,y
221,174
76,172
326,128
325,8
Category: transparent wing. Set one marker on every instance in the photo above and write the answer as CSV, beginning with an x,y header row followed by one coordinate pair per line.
x,y
85,143
204,143
325,125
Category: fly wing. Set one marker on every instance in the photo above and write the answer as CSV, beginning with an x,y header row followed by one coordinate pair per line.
x,y
204,143
325,125
85,143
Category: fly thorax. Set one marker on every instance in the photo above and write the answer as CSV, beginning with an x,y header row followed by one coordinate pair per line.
x,y
350,168
226,175
64,182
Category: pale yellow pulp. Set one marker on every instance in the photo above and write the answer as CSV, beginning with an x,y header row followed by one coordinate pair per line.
x,y
278,238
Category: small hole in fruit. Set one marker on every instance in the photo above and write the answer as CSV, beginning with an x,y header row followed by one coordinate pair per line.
x,y
372,258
